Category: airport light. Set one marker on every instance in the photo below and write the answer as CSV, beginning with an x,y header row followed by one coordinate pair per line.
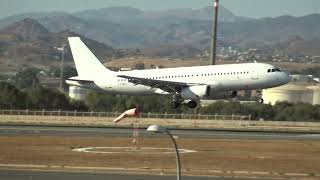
x,y
160,129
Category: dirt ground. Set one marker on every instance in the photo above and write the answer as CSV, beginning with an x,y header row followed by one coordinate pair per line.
x,y
280,156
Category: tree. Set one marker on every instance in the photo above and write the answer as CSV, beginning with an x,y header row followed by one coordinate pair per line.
x,y
100,102
12,98
139,66
68,71
43,98
26,78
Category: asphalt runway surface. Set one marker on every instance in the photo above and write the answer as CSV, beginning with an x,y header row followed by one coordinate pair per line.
x,y
42,175
115,132
20,131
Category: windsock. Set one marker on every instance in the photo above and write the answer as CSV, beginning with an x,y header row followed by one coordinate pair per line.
x,y
127,113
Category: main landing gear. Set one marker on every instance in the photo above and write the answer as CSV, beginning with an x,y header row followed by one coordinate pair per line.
x,y
260,100
192,104
177,101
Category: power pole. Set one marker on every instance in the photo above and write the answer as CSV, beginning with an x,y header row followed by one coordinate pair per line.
x,y
214,33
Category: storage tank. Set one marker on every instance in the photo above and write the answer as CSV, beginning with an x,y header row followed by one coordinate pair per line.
x,y
316,94
300,78
78,93
291,92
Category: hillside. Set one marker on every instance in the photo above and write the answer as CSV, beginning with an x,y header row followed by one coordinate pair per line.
x,y
184,29
125,27
271,30
300,47
127,14
28,43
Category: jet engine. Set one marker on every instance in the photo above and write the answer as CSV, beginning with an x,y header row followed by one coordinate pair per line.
x,y
195,92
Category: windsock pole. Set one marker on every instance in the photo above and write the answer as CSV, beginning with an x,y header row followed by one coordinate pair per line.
x,y
135,133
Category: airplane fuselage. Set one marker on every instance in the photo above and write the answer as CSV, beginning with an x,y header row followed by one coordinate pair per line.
x,y
184,83
229,77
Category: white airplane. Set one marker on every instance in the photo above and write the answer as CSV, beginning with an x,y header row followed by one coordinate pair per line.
x,y
186,84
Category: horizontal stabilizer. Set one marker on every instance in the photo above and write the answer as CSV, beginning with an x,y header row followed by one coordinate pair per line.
x,y
80,80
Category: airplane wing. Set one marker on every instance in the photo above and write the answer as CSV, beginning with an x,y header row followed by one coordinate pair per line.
x,y
168,86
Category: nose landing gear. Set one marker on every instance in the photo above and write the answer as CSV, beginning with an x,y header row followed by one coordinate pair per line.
x,y
260,101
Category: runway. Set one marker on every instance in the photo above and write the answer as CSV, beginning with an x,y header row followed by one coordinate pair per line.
x,y
41,175
120,132
217,154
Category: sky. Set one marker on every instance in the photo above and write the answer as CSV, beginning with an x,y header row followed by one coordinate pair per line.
x,y
247,8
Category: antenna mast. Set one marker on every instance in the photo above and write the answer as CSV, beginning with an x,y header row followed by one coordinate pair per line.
x,y
214,33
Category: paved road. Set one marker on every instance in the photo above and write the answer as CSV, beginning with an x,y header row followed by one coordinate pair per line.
x,y
113,132
42,175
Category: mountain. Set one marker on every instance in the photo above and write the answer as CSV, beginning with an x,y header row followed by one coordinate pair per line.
x,y
173,51
299,47
202,14
117,35
269,31
125,27
26,28
29,42
127,14
151,33
15,18
112,14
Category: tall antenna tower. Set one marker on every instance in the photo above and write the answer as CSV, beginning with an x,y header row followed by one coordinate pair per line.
x,y
214,33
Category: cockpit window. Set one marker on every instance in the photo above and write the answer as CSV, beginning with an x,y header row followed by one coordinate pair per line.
x,y
274,70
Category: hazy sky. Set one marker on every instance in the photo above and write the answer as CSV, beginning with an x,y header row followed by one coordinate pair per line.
x,y
249,8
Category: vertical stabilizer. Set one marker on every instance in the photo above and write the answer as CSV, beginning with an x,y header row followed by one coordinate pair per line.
x,y
87,64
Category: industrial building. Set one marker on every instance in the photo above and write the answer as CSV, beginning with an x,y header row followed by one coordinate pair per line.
x,y
302,88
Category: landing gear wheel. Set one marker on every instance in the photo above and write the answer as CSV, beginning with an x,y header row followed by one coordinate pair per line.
x,y
174,104
260,101
192,104
259,96
233,94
